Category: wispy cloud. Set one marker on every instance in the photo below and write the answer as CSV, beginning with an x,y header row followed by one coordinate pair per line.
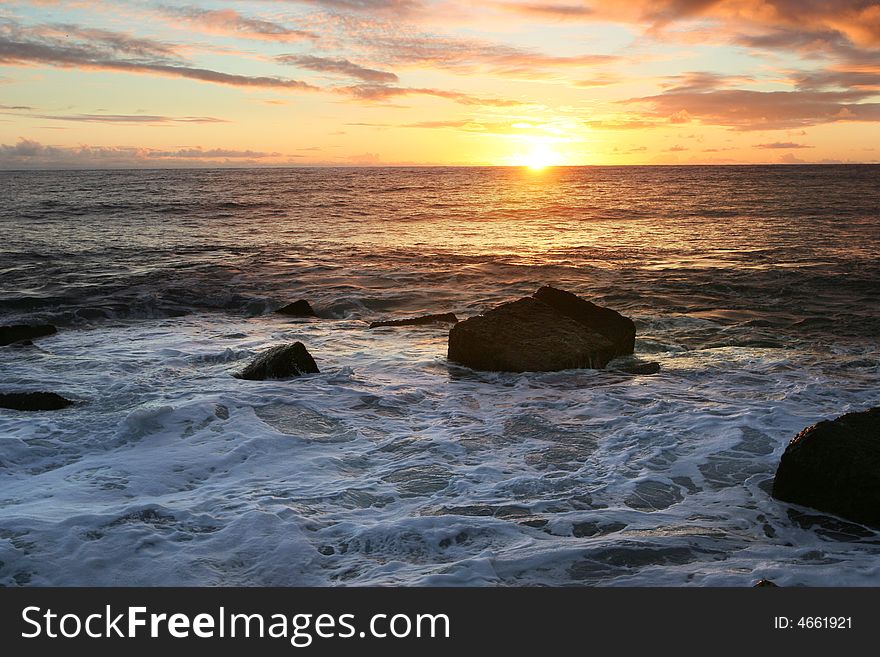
x,y
551,10
402,8
111,51
232,23
378,92
782,145
143,119
403,48
338,66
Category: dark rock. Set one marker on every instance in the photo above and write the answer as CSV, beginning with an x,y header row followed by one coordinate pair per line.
x,y
527,336
765,583
280,362
18,332
620,330
33,401
301,308
640,367
834,466
552,330
447,318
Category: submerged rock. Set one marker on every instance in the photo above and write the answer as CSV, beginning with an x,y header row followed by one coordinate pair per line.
x,y
527,336
301,308
552,330
19,332
640,367
441,318
280,362
834,466
620,330
33,401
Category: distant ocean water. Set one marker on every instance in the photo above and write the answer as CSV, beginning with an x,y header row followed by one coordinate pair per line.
x,y
756,288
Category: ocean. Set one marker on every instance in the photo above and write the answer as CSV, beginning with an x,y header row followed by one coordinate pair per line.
x,y
757,289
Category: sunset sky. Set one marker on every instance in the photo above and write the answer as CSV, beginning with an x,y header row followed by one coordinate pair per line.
x,y
364,82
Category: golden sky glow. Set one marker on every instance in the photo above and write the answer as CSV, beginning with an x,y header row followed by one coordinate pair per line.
x,y
508,82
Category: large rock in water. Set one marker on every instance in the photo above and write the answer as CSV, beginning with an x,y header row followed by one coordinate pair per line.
x,y
301,308
834,466
19,332
620,330
528,335
33,401
280,362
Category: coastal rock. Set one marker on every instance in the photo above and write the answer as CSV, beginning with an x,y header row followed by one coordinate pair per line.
x,y
643,367
765,583
19,332
441,318
527,336
33,401
620,330
300,308
280,362
834,466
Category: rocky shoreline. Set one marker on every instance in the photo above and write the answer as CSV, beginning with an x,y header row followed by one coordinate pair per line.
x,y
832,466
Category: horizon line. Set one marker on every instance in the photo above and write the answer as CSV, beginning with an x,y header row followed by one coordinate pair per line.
x,y
435,166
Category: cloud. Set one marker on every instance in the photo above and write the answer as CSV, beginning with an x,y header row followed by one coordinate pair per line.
x,y
789,158
552,10
782,145
339,66
211,154
694,81
232,23
600,80
365,159
711,103
462,55
839,79
378,92
397,8
473,125
856,20
127,118
28,153
622,124
437,124
117,42
465,125
110,51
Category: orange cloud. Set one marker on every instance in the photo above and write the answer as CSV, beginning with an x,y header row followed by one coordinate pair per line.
x,y
230,22
858,20
782,145
743,109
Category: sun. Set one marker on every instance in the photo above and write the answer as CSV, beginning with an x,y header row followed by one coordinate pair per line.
x,y
540,156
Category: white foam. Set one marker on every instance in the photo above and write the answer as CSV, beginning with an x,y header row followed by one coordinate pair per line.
x,y
392,467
